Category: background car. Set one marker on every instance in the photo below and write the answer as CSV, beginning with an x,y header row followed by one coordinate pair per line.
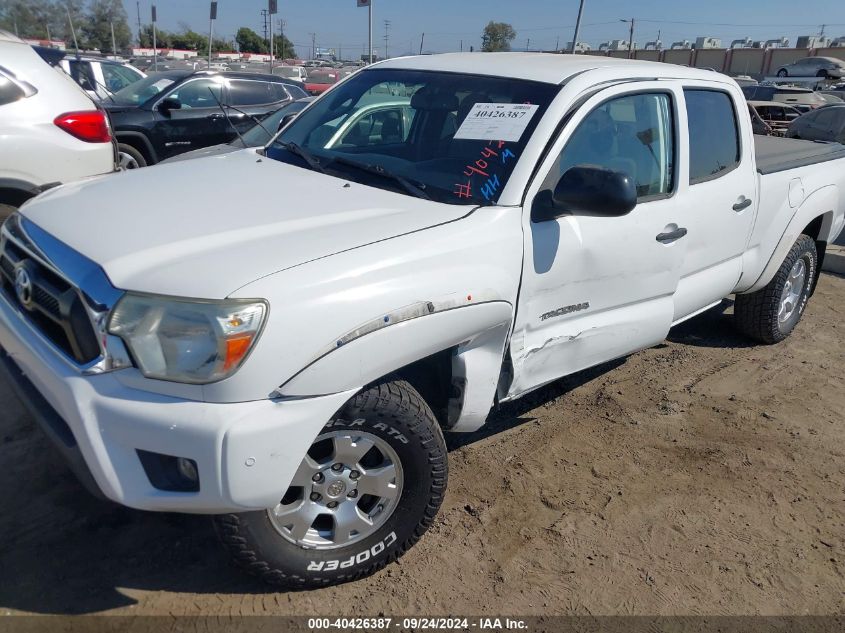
x,y
257,136
758,125
296,73
800,98
319,81
777,115
178,111
51,131
814,67
100,78
824,124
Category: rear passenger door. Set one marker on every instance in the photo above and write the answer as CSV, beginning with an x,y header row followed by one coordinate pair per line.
x,y
721,204
253,100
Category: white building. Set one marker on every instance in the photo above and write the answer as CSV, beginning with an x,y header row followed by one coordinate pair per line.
x,y
708,42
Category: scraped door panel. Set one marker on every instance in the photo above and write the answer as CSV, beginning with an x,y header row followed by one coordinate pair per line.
x,y
597,288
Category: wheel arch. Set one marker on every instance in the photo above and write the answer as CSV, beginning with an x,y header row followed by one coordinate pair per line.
x,y
815,217
452,358
140,142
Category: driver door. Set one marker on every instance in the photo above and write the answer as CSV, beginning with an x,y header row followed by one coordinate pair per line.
x,y
199,122
598,288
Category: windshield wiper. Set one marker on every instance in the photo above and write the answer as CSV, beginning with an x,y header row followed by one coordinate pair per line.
x,y
304,154
417,190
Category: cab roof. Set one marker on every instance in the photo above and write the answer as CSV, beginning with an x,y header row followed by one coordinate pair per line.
x,y
550,68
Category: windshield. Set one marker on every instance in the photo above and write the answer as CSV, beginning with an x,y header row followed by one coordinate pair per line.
x,y
454,138
142,90
259,135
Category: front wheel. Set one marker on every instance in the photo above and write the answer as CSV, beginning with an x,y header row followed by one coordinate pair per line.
x,y
368,489
822,74
770,314
782,73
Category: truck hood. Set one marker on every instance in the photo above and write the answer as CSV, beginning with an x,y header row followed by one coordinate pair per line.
x,y
206,227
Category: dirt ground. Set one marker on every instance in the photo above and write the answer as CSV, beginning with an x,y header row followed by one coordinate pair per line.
x,y
704,476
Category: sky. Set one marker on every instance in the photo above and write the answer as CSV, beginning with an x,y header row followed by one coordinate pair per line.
x,y
539,24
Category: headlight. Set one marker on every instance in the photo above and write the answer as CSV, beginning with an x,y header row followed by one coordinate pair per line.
x,y
187,340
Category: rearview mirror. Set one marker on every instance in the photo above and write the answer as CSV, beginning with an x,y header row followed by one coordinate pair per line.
x,y
588,190
170,103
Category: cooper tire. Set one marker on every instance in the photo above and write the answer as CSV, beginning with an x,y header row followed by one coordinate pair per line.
x,y
400,421
130,158
769,315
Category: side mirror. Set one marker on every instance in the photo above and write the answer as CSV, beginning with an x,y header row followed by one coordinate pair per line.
x,y
170,103
286,119
588,190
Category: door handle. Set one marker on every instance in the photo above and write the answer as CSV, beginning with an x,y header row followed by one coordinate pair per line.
x,y
215,117
740,206
671,236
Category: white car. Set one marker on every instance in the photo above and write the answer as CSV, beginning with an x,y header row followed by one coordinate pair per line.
x,y
297,73
287,347
100,78
50,130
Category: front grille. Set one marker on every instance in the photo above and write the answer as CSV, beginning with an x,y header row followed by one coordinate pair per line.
x,y
52,305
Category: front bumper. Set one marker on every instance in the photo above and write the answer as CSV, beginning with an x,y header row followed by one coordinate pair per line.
x,y
246,452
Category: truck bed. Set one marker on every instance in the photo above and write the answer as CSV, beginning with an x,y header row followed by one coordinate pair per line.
x,y
780,154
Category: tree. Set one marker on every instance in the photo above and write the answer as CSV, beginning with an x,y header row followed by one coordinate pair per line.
x,y
283,48
250,42
97,28
497,36
28,18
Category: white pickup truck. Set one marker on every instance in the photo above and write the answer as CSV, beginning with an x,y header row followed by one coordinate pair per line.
x,y
280,337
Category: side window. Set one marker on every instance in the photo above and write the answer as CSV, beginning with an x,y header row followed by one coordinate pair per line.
x,y
9,91
713,134
117,77
633,134
197,93
381,127
83,75
246,93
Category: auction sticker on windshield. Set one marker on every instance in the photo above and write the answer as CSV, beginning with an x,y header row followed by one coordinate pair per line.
x,y
496,121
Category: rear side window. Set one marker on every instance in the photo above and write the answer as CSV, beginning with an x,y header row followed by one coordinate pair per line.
x,y
713,134
9,90
247,92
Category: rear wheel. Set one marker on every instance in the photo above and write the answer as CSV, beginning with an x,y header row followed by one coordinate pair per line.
x,y
770,314
782,73
366,491
822,73
129,157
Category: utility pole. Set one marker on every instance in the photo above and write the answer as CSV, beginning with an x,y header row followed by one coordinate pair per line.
x,y
387,39
282,35
528,44
272,9
462,46
313,45
264,18
630,38
50,39
113,45
155,52
557,44
577,28
72,30
370,12
138,9
422,39
212,15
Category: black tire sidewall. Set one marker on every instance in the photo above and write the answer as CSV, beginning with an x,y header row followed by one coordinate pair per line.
x,y
283,562
805,250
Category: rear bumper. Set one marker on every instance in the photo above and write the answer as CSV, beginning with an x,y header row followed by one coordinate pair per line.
x,y
246,452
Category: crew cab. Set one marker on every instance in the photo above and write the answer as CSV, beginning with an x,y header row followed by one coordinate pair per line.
x,y
286,352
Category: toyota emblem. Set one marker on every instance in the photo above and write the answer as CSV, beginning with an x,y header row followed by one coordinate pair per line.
x,y
23,287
